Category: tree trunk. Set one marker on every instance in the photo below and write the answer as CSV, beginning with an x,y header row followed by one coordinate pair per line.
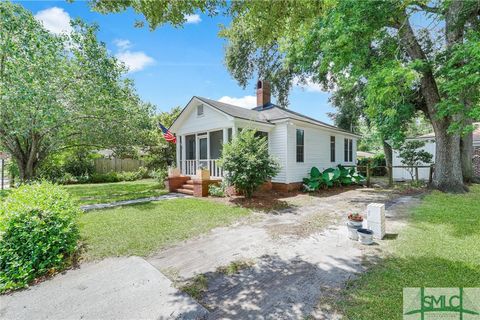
x,y
387,150
448,170
466,154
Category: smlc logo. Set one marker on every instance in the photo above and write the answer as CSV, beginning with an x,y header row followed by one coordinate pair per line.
x,y
441,303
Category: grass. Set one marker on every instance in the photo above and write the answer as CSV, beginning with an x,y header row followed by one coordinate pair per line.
x,y
145,228
196,287
439,248
109,192
235,267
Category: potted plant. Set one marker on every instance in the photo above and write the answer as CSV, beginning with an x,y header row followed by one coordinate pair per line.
x,y
203,173
365,235
355,220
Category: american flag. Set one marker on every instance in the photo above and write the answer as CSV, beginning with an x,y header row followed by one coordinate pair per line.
x,y
167,134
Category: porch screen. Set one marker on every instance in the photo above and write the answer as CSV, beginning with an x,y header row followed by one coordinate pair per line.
x,y
216,142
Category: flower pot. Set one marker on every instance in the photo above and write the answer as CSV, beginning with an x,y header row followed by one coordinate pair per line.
x,y
365,236
355,223
203,174
352,232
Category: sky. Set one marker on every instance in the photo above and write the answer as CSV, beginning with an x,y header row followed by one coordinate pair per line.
x,y
170,65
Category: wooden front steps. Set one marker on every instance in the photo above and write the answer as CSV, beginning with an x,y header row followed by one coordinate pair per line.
x,y
187,188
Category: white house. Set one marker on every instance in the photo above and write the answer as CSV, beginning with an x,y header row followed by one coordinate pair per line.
x,y
401,174
298,142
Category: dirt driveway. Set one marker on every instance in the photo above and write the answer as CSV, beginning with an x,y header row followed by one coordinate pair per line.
x,y
296,257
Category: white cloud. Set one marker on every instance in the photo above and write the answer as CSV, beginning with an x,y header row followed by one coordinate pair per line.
x,y
193,18
244,102
122,44
135,61
309,85
55,20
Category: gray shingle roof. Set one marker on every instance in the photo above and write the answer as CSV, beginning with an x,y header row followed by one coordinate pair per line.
x,y
268,114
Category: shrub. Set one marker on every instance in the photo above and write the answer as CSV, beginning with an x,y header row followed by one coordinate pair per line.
x,y
331,177
217,190
160,175
247,162
377,165
104,177
38,233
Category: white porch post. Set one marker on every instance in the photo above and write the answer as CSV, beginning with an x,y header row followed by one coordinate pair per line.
x,y
197,152
178,151
208,145
225,135
184,154
234,131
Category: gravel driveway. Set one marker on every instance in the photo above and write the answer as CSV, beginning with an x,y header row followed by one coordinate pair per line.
x,y
299,256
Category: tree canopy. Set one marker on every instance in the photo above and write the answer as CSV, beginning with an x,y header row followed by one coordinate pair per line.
x,y
404,56
60,91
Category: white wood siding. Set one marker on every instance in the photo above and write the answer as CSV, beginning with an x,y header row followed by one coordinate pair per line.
x,y
211,119
316,151
400,174
277,146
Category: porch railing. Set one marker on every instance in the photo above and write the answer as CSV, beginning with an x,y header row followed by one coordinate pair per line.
x,y
189,167
215,170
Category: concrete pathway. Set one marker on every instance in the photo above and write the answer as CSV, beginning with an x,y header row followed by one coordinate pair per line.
x,y
120,288
168,196
292,272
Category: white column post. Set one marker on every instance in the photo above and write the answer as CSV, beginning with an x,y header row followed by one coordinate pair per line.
x,y
184,154
225,135
234,131
208,145
197,152
178,151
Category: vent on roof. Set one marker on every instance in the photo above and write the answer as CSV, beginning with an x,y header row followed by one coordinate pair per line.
x,y
263,93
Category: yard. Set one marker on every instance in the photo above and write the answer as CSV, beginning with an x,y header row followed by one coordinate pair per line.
x,y
439,248
145,228
111,192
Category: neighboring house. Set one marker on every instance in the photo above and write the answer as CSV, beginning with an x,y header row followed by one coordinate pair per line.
x,y
364,154
401,174
298,142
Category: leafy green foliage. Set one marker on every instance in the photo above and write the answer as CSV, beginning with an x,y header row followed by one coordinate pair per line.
x,y
412,154
113,176
160,175
377,165
217,190
38,233
160,153
247,162
60,91
331,177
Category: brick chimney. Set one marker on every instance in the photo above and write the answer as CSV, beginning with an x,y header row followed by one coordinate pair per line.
x,y
263,93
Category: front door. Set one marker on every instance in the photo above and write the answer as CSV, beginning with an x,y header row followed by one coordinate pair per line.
x,y
203,151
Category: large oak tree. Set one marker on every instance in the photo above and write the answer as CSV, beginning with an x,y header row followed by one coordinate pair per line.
x,y
60,91
409,56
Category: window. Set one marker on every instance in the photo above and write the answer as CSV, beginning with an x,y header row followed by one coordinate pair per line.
x,y
230,134
348,155
261,134
300,145
200,110
332,149
350,150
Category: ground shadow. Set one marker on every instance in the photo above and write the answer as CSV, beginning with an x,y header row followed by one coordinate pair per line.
x,y
276,288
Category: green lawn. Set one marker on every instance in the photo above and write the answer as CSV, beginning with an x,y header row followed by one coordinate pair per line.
x,y
440,248
144,228
110,192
